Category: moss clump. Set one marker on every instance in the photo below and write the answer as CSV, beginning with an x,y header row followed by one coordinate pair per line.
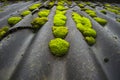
x,y
60,32
38,22
100,20
85,27
5,28
81,28
81,5
61,8
118,20
103,11
60,20
91,13
51,4
43,13
59,47
90,33
13,20
24,13
34,6
3,31
90,40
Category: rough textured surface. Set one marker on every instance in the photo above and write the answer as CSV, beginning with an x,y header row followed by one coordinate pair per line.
x,y
25,55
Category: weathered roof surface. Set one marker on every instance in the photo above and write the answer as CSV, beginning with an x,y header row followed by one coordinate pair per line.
x,y
25,55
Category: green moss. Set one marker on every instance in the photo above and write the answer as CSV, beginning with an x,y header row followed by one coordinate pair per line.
x,y
86,22
24,13
80,27
118,20
59,47
13,20
91,13
60,32
113,10
34,6
38,22
2,33
81,5
61,8
43,13
60,20
90,40
100,20
89,33
103,11
5,28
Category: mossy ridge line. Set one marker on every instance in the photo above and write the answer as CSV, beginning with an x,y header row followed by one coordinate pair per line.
x,y
84,25
58,46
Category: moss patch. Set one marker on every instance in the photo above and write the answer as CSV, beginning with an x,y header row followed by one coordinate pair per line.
x,y
91,13
60,32
43,13
90,40
103,11
101,20
13,20
24,13
85,27
34,6
38,22
3,31
59,47
90,33
60,20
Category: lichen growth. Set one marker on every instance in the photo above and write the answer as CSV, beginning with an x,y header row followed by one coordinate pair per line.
x,y
90,40
25,13
59,47
101,21
60,32
14,20
38,22
43,13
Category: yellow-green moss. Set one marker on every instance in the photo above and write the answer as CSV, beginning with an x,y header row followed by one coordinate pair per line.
x,y
13,20
43,13
59,47
90,40
24,13
91,13
60,20
38,22
100,20
89,33
61,8
103,11
60,32
3,31
34,6
81,5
